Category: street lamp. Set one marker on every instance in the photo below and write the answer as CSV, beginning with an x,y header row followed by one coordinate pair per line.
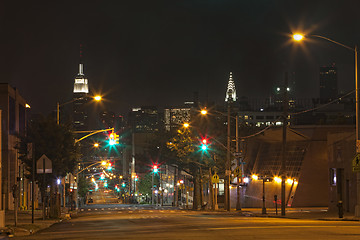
x,y
203,111
97,98
299,37
228,157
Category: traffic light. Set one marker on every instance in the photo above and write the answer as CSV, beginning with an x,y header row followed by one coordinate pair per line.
x,y
155,169
123,184
109,166
113,138
204,144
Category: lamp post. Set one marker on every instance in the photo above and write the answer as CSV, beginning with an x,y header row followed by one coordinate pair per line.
x,y
97,98
228,156
300,37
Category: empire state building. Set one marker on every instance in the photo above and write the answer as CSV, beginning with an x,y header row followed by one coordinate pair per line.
x,y
80,100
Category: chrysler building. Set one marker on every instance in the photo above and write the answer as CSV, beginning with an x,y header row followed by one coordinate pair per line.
x,y
231,91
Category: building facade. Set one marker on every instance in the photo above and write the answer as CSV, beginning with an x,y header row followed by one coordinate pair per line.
x,y
328,83
144,119
13,108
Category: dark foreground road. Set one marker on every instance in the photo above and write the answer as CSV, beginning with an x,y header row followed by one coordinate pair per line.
x,y
178,224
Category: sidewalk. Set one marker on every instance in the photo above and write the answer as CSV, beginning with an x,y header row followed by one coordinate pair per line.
x,y
313,213
24,226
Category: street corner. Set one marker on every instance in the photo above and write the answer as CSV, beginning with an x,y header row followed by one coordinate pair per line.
x,y
25,229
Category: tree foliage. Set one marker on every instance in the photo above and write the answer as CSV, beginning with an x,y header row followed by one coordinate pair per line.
x,y
144,184
53,140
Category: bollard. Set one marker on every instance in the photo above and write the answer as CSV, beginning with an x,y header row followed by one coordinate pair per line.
x,y
275,199
341,210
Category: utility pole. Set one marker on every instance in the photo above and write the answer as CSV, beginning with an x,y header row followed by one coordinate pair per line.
x,y
283,157
152,188
228,159
238,202
33,183
263,197
133,164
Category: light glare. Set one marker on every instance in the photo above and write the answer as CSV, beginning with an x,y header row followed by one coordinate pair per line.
x,y
298,37
98,98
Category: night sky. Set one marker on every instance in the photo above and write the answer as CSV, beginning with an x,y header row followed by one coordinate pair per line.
x,y
151,52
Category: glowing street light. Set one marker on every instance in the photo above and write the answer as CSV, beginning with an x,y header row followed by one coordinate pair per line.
x,y
97,98
298,36
186,125
254,177
96,145
203,111
277,179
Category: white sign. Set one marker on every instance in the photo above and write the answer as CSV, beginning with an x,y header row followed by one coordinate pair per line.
x,y
43,164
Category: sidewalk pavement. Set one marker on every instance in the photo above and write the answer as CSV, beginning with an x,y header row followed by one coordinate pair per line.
x,y
24,224
311,213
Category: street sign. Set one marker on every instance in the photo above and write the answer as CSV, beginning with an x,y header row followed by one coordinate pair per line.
x,y
43,164
356,163
237,172
215,178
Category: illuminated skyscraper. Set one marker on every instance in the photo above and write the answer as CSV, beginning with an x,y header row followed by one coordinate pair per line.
x,y
80,98
231,91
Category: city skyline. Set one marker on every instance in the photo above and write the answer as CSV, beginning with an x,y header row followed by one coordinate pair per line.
x,y
143,53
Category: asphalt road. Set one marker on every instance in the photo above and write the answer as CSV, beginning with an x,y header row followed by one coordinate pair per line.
x,y
130,222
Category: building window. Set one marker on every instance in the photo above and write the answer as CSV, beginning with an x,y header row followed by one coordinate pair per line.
x,y
332,176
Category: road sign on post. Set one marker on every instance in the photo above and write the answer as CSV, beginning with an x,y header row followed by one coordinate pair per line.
x,y
237,172
215,178
356,163
43,165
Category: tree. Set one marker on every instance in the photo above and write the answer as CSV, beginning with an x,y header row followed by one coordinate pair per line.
x,y
83,186
57,142
184,144
144,184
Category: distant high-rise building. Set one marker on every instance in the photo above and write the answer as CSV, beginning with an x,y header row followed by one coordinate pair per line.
x,y
230,91
80,98
177,116
328,83
109,119
144,119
